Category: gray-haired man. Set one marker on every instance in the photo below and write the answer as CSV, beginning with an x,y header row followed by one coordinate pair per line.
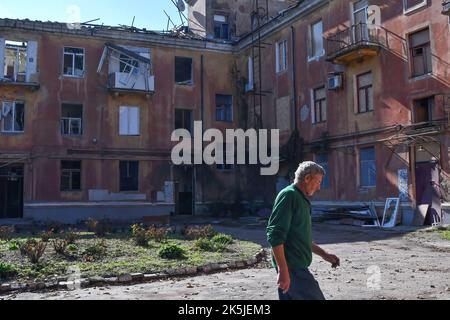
x,y
289,234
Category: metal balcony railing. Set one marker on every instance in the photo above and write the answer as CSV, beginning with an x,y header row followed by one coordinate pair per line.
x,y
356,37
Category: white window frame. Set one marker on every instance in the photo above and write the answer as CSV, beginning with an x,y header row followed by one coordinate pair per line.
x,y
417,6
129,121
79,120
313,57
279,54
13,111
17,49
73,62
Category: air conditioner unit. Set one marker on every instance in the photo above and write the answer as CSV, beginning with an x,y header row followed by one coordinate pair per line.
x,y
334,81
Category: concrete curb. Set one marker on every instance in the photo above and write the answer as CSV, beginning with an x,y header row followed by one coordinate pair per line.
x,y
62,283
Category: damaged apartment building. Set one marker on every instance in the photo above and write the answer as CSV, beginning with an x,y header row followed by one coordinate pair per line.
x,y
361,87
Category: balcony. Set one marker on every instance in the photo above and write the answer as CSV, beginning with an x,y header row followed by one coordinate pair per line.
x,y
127,82
355,43
446,7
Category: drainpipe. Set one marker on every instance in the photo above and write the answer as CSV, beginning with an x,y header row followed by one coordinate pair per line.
x,y
294,76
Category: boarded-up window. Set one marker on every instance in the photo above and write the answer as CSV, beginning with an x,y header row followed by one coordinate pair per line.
x,y
71,119
73,62
183,119
129,175
367,166
70,175
183,70
224,108
365,92
420,52
13,117
129,121
320,105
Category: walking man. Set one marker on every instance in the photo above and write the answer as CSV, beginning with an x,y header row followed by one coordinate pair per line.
x,y
289,235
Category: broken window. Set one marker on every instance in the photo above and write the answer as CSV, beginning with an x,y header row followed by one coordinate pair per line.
x,y
317,39
72,119
129,175
320,105
281,56
13,116
129,121
221,27
128,64
322,160
365,92
368,171
420,53
183,119
73,62
70,175
224,108
15,66
183,70
423,110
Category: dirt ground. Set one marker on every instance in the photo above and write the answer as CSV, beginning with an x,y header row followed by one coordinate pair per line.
x,y
375,265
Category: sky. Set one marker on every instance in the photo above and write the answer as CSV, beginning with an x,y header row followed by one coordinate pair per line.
x,y
148,14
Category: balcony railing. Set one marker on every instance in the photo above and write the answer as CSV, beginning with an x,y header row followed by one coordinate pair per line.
x,y
123,81
357,41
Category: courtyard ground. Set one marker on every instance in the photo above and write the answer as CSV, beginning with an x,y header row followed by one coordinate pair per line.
x,y
402,263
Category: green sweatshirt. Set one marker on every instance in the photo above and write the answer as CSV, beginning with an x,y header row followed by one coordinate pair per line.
x,y
290,224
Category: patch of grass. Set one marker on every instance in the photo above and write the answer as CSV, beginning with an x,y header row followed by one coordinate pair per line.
x,y
7,270
171,251
445,235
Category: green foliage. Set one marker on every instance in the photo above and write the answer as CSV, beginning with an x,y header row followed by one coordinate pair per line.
x,y
171,251
95,251
7,270
139,235
222,239
445,235
13,246
205,244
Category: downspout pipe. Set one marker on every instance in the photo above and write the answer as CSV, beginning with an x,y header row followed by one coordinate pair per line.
x,y
294,78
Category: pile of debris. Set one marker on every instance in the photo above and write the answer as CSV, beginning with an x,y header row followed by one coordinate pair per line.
x,y
365,216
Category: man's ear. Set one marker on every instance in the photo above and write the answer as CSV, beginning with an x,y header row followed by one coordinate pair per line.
x,y
307,178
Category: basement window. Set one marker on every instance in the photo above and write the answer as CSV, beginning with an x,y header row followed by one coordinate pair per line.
x,y
13,117
183,71
15,61
70,175
73,62
129,175
71,119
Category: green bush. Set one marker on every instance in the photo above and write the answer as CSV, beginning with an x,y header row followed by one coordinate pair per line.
x,y
13,246
6,232
171,251
95,251
223,239
7,270
72,247
205,244
33,249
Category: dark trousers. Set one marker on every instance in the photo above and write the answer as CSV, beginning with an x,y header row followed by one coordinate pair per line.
x,y
303,287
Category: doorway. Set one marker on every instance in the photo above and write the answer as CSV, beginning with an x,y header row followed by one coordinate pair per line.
x,y
11,192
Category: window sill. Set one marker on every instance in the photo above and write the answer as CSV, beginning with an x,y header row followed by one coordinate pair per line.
x,y
319,123
129,135
414,9
421,77
315,58
73,77
73,136
71,191
191,84
12,133
364,112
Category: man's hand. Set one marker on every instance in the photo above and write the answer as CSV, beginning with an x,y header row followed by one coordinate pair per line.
x,y
331,258
284,281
